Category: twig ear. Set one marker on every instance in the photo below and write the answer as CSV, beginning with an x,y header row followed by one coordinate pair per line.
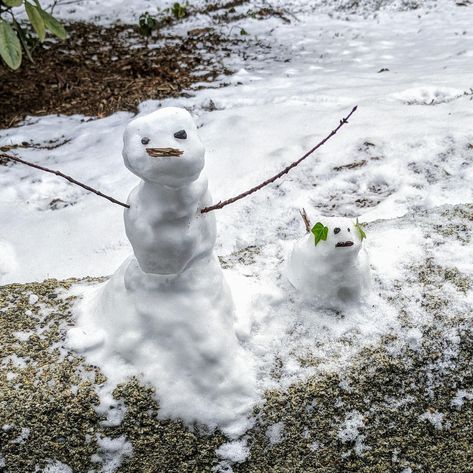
x,y
306,220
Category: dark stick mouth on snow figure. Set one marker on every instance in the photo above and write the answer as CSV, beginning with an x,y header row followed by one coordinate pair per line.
x,y
343,244
164,152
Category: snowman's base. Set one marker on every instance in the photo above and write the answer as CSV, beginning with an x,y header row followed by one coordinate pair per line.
x,y
176,331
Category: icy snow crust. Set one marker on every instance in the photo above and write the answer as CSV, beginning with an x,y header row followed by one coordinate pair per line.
x,y
408,147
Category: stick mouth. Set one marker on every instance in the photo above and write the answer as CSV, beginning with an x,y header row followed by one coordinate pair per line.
x,y
343,244
164,152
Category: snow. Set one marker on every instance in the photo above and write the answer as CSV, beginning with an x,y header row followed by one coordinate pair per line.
x,y
434,417
112,452
56,467
407,148
461,396
8,260
350,431
275,433
333,271
236,451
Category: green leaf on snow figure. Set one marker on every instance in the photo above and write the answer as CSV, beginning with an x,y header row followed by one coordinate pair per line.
x,y
320,232
360,230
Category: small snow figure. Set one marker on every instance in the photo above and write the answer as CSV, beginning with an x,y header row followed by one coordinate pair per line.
x,y
168,311
328,265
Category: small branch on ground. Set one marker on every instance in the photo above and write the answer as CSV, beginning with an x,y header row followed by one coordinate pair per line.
x,y
64,176
306,220
224,203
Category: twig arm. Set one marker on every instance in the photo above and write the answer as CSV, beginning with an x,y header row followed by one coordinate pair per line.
x,y
64,176
224,203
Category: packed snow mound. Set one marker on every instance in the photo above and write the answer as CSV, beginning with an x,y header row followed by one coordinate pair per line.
x,y
167,314
8,261
331,271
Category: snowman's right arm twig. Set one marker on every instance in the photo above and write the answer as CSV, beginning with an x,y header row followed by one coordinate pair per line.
x,y
64,176
224,203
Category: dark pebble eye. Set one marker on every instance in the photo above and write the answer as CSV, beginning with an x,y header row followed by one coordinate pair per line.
x,y
348,229
336,230
144,140
180,135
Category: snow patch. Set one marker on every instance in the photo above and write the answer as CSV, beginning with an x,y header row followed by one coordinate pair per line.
x,y
434,417
350,431
461,396
275,433
236,451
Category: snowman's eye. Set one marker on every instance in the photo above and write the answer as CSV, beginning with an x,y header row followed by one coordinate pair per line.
x,y
348,229
144,140
180,135
336,230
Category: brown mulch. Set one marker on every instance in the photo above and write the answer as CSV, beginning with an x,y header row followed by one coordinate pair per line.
x,y
99,70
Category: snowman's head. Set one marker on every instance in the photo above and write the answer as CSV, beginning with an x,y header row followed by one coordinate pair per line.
x,y
164,147
343,236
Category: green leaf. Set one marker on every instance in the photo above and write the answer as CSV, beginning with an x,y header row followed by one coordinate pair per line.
x,y
36,20
10,47
52,24
12,3
320,232
361,232
243,32
22,36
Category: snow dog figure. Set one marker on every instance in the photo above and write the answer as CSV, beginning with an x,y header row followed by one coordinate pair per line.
x,y
329,266
167,310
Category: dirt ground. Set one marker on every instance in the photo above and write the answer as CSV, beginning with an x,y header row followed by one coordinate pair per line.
x,y
99,70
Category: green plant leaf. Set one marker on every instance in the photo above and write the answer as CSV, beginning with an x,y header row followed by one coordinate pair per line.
x,y
22,36
12,3
320,232
36,20
360,230
10,47
52,24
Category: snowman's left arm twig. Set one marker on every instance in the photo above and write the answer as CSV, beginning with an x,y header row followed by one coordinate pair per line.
x,y
224,203
64,176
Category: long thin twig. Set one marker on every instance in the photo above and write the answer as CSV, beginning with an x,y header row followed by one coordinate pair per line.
x,y
305,217
64,176
221,204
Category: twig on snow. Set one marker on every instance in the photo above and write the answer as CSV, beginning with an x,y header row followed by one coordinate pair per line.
x,y
64,176
224,203
306,220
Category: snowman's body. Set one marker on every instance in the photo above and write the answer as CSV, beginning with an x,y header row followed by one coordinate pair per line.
x,y
165,228
168,310
333,272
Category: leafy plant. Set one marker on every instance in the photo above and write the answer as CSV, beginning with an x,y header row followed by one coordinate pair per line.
x,y
360,230
179,11
14,38
146,24
320,232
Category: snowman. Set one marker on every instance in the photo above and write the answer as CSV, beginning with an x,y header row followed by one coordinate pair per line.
x,y
168,311
329,265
